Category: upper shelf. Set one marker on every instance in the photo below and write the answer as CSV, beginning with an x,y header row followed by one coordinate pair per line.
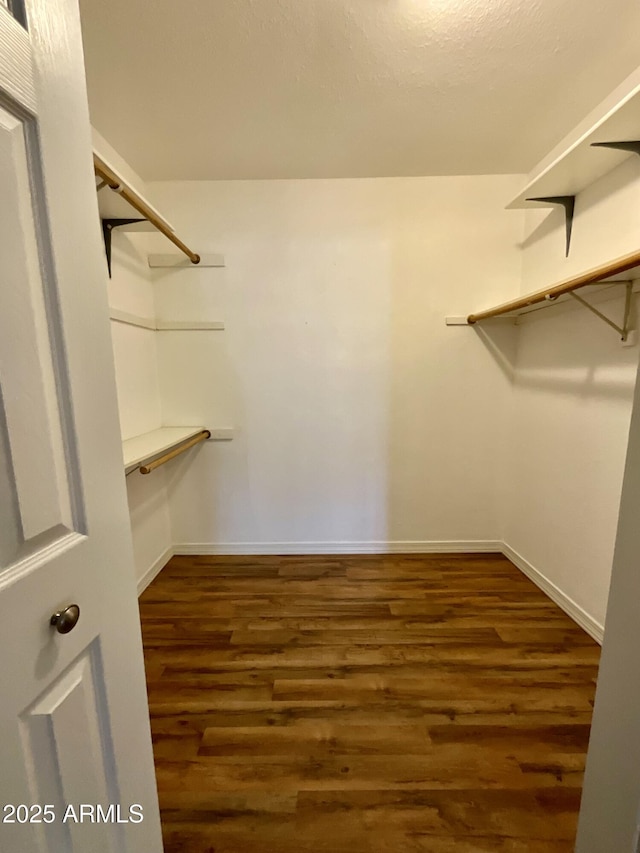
x,y
135,204
574,164
112,205
605,273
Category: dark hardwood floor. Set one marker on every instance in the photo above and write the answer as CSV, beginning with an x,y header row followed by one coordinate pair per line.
x,y
438,704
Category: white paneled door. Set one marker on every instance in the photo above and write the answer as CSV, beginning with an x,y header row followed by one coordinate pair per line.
x,y
76,766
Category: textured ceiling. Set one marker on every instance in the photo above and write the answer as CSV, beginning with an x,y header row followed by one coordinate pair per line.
x,y
214,89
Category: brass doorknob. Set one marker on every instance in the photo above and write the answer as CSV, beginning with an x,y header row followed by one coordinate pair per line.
x,y
66,620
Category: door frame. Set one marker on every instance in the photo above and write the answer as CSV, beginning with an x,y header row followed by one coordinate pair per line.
x,y
610,810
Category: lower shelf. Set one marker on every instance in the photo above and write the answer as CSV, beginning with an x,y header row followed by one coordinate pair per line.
x,y
143,448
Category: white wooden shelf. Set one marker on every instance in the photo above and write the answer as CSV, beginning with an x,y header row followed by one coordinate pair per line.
x,y
189,325
623,271
114,184
596,293
575,164
143,448
118,201
158,325
113,206
133,319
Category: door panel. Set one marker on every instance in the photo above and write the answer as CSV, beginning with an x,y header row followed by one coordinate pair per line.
x,y
31,406
67,717
11,538
74,715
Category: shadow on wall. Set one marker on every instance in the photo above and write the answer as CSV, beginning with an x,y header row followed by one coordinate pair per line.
x,y
574,352
500,339
553,221
584,382
558,362
127,255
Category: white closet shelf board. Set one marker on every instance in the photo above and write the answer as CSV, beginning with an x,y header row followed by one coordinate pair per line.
x,y
164,325
573,165
110,179
594,293
112,206
222,434
132,319
188,325
144,447
624,269
176,261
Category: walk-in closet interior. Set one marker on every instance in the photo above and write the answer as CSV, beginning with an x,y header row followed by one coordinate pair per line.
x,y
372,272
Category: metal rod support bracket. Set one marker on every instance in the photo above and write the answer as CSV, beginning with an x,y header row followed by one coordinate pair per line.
x,y
107,230
623,330
632,146
568,202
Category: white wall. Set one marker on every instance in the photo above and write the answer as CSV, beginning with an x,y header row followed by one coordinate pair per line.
x,y
573,392
136,363
360,417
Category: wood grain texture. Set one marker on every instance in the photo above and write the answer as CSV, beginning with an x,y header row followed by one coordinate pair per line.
x,y
439,704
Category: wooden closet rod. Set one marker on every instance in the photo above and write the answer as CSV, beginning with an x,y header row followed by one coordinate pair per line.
x,y
593,276
201,436
114,182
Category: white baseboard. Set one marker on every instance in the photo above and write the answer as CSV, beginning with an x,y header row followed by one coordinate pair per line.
x,y
590,625
154,570
409,547
473,546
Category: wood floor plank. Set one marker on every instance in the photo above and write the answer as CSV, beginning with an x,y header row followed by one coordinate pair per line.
x,y
320,737
363,704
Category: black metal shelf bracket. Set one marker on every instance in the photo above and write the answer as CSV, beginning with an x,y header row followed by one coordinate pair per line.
x,y
568,202
633,146
107,231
